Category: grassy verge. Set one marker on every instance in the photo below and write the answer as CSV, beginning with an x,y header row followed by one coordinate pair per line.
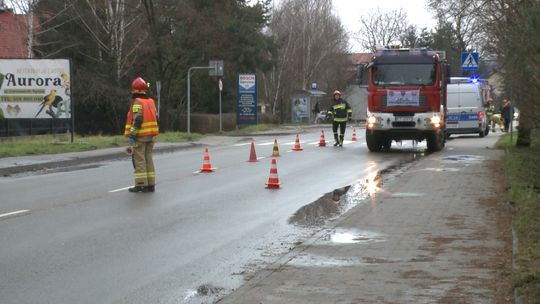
x,y
62,143
522,167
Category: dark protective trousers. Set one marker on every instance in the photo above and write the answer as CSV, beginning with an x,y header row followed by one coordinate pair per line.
x,y
338,137
144,164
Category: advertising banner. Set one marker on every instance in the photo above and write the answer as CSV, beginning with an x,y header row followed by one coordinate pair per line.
x,y
398,98
35,88
246,110
299,109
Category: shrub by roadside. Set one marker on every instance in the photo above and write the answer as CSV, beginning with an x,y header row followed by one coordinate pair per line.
x,y
522,167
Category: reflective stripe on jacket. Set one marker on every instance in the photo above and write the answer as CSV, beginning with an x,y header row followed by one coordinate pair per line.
x,y
340,110
147,108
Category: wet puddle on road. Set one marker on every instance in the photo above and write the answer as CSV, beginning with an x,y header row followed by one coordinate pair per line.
x,y
441,169
203,294
466,159
333,204
314,260
406,194
342,236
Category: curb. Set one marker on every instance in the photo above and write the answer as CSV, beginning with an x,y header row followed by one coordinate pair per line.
x,y
8,171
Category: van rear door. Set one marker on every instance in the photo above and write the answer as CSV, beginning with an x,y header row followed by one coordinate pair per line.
x,y
463,106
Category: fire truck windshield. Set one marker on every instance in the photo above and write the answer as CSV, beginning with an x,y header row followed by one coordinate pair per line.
x,y
404,74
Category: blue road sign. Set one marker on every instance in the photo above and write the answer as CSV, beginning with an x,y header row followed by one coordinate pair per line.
x,y
246,108
469,61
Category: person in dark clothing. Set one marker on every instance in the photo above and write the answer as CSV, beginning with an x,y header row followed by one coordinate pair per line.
x,y
316,111
507,113
340,112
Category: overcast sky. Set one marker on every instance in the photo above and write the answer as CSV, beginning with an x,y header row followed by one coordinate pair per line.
x,y
350,12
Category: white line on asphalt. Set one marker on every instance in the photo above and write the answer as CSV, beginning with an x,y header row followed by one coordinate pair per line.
x,y
265,144
13,213
121,189
240,145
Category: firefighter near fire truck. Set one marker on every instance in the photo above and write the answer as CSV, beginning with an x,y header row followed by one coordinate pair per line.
x,y
341,112
406,98
141,128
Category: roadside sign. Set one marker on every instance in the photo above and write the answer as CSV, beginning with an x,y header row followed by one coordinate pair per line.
x,y
220,85
216,68
246,109
469,61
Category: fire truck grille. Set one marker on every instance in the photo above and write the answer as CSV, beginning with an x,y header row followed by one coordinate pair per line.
x,y
422,100
401,124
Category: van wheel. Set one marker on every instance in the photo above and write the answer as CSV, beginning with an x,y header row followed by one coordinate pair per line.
x,y
482,133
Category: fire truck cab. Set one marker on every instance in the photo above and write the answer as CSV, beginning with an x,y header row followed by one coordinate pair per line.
x,y
406,98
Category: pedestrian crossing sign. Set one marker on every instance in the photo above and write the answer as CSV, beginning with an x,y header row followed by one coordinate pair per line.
x,y
469,61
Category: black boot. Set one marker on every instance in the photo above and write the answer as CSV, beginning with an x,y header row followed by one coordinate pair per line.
x,y
151,188
138,189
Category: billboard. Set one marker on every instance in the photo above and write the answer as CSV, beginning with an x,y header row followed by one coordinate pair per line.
x,y
299,109
246,109
35,88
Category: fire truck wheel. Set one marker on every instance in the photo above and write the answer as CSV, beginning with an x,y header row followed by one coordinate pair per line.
x,y
373,142
435,142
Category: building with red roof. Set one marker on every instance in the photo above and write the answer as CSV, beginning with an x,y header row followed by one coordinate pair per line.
x,y
13,34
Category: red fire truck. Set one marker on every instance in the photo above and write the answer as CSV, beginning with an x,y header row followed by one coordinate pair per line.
x,y
406,98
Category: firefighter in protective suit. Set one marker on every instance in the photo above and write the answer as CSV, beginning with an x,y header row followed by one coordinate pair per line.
x,y
141,128
340,112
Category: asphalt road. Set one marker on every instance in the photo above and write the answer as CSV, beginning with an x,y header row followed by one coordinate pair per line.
x,y
80,237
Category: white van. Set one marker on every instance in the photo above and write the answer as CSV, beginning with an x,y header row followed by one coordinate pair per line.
x,y
466,111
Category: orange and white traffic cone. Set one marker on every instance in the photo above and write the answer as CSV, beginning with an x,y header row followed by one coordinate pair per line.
x,y
354,134
206,166
322,142
252,154
297,144
273,179
275,151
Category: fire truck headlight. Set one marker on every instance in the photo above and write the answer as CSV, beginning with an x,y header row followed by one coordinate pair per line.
x,y
436,120
371,120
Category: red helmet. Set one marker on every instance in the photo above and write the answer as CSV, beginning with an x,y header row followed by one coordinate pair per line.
x,y
139,86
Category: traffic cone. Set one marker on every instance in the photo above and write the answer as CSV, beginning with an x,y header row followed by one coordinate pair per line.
x,y
275,151
206,166
252,154
273,179
322,142
297,144
354,134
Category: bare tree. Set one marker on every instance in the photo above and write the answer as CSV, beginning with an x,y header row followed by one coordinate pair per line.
x,y
381,28
112,25
462,15
512,27
309,34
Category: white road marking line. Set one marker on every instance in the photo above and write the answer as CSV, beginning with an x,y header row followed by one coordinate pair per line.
x,y
266,144
240,145
13,213
290,143
118,190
